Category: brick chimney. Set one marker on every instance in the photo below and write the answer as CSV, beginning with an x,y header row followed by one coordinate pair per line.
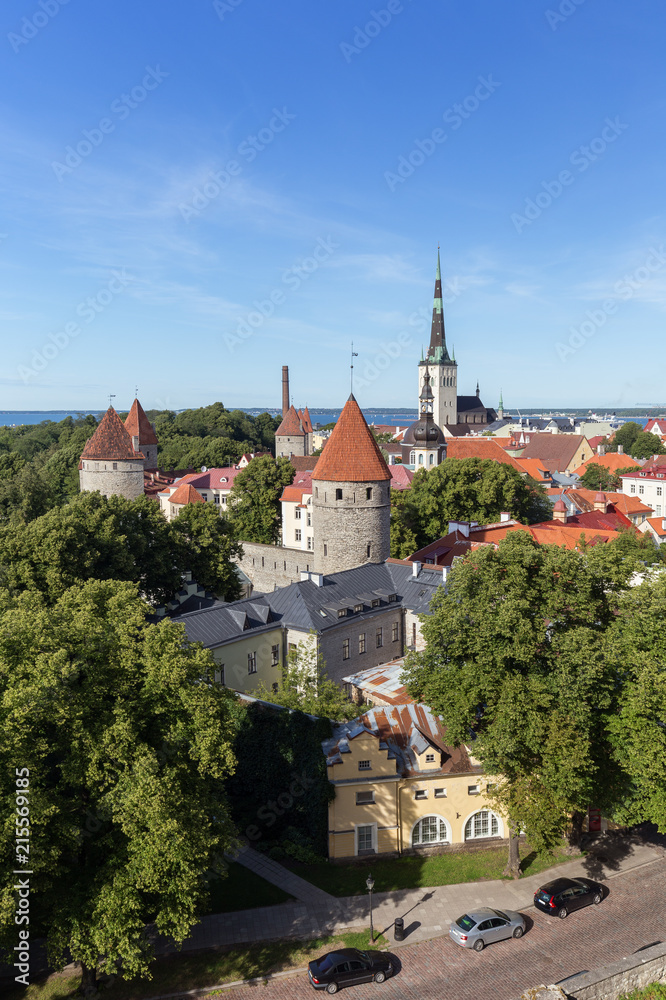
x,y
285,389
560,512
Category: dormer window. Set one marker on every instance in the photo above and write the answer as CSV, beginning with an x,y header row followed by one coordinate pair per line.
x,y
358,607
393,597
342,612
430,758
376,602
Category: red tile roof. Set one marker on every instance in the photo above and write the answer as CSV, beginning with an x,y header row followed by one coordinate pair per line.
x,y
471,447
111,442
304,463
291,425
401,477
611,461
535,468
186,493
307,423
657,525
138,425
302,484
351,453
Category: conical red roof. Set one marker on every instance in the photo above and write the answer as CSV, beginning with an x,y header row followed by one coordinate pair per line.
x,y
111,442
351,454
138,425
307,422
290,425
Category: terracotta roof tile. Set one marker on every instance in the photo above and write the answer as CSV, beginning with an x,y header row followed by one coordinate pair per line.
x,y
291,425
351,453
186,493
304,463
469,447
111,441
138,425
611,461
555,450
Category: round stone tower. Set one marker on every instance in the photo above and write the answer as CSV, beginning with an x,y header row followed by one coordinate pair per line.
x,y
351,508
142,433
109,462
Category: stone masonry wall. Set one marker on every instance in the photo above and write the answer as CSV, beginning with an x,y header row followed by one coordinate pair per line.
x,y
126,480
286,446
331,642
344,528
271,566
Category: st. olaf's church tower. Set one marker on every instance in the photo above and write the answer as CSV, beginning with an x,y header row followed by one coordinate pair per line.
x,y
442,368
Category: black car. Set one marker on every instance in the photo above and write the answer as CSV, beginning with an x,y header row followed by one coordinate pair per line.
x,y
562,895
348,967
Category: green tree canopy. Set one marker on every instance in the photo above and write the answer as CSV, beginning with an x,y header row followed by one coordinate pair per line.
x,y
100,538
254,502
626,435
127,752
514,663
469,489
598,477
207,545
646,445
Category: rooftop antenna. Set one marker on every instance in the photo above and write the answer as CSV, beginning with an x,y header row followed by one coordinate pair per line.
x,y
354,354
112,395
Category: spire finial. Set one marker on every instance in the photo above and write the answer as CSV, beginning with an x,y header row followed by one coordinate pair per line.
x,y
112,395
354,354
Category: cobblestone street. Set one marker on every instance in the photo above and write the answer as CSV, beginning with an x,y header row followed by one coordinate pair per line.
x,y
632,917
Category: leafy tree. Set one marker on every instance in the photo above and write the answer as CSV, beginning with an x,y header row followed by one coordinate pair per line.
x,y
208,545
514,663
636,645
280,791
626,435
646,445
254,501
127,752
93,537
306,686
598,477
469,489
403,525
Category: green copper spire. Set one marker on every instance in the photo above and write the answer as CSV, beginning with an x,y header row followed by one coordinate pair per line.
x,y
501,401
437,352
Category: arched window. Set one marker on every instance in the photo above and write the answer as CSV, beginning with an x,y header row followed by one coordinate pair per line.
x,y
431,460
412,458
420,459
482,824
430,830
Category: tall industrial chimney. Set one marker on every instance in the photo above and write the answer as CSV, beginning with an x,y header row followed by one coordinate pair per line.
x,y
285,389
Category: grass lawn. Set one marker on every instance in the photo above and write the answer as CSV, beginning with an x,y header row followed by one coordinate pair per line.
x,y
656,991
423,872
243,890
210,968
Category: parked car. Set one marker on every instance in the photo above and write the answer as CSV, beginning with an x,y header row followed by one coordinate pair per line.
x,y
562,895
477,928
347,967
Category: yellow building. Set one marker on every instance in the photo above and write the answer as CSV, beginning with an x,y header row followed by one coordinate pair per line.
x,y
400,789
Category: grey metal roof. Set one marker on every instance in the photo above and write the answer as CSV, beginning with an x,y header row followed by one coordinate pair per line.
x,y
217,625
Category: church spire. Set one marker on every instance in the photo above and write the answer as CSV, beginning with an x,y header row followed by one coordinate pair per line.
x,y
437,352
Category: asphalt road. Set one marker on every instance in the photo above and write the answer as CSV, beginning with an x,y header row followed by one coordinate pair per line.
x,y
631,917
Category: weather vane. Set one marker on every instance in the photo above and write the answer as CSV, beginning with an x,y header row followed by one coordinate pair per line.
x,y
354,354
112,395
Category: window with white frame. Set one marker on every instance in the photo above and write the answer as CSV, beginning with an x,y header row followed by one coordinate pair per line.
x,y
365,839
632,488
251,663
474,789
482,824
641,489
430,830
297,534
430,758
275,655
440,793
297,513
420,793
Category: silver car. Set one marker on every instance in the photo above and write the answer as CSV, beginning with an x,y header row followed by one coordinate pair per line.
x,y
480,927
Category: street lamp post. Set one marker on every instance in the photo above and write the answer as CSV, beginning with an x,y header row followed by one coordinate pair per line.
x,y
370,882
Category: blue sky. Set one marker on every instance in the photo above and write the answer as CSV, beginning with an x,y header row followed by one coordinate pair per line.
x,y
196,193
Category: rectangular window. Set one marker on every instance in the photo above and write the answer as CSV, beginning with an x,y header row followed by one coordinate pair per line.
x,y
310,541
275,655
657,510
430,758
658,491
361,642
364,765
345,649
364,798
375,602
325,549
421,794
219,675
297,534
291,647
342,612
358,607
224,501
251,663
379,641
216,498
440,793
632,488
473,789
365,838
367,550
394,632
297,513
115,465
338,494
641,489
309,520
368,493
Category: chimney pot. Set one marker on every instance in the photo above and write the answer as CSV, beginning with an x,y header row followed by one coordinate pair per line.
x,y
504,517
416,567
620,449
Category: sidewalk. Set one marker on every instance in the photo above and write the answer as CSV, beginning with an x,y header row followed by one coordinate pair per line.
x,y
427,912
